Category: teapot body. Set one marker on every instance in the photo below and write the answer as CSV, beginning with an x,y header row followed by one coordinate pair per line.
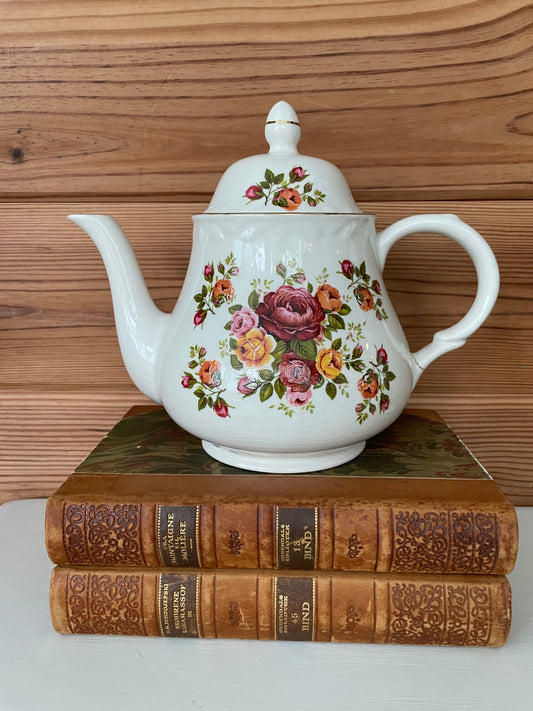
x,y
284,348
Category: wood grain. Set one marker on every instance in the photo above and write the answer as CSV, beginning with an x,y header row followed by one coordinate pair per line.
x,y
155,100
63,384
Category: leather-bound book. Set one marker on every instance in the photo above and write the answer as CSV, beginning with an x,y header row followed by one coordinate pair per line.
x,y
416,500
463,610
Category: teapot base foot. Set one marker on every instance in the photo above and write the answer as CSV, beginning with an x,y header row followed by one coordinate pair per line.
x,y
283,462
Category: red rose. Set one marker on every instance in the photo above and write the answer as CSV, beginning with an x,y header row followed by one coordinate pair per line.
x,y
254,192
296,373
384,403
347,268
221,409
187,381
290,313
199,317
297,173
208,272
382,356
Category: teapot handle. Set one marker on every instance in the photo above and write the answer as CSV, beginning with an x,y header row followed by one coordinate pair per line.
x,y
488,279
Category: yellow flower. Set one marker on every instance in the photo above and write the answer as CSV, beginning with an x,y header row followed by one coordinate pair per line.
x,y
255,347
329,363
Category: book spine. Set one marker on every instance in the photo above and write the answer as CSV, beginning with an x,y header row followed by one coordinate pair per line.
x,y
298,606
405,537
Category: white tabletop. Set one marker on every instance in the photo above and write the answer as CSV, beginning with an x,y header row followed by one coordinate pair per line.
x,y
41,670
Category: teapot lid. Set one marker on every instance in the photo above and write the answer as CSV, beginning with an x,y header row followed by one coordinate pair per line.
x,y
282,180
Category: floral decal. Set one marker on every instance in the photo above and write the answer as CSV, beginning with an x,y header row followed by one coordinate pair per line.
x,y
216,290
287,342
207,382
366,290
285,192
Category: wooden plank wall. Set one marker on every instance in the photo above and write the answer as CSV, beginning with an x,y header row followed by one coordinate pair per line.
x,y
136,108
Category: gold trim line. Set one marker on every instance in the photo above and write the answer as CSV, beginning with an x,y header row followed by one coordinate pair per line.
x,y
294,123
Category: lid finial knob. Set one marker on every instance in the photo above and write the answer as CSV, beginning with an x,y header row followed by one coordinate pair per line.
x,y
282,129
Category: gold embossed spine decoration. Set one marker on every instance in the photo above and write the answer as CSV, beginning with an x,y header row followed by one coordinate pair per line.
x,y
441,610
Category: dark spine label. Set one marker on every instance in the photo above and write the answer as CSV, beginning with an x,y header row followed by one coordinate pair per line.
x,y
296,531
178,535
294,604
178,605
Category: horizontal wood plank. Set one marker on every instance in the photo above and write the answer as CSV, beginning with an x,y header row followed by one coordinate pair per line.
x,y
155,100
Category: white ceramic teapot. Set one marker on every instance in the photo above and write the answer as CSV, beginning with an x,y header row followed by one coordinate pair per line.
x,y
283,353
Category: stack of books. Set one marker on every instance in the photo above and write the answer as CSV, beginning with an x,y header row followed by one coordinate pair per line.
x,y
408,544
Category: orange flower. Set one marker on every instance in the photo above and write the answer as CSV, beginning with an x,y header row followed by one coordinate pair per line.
x,y
329,363
222,291
255,347
328,297
364,299
209,373
291,197
368,388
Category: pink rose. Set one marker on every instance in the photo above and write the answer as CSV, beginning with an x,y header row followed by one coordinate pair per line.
x,y
311,202
243,320
291,312
187,381
299,278
358,351
347,268
376,286
202,352
247,386
298,398
382,356
221,409
297,374
254,192
199,317
297,173
359,407
208,272
384,403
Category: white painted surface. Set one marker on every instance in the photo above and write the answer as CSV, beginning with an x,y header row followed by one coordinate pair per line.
x,y
41,670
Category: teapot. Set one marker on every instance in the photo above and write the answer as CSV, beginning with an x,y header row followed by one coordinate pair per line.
x,y
283,353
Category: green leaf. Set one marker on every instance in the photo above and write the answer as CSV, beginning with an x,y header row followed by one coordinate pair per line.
x,y
266,374
282,202
305,349
264,184
202,402
265,391
198,298
390,376
280,388
279,178
233,344
372,407
309,288
269,176
331,390
362,268
204,290
234,308
199,392
335,321
227,326
341,379
344,310
235,362
253,300
278,351
327,334
337,344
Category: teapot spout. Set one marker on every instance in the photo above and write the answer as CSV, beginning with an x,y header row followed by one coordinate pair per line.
x,y
140,324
